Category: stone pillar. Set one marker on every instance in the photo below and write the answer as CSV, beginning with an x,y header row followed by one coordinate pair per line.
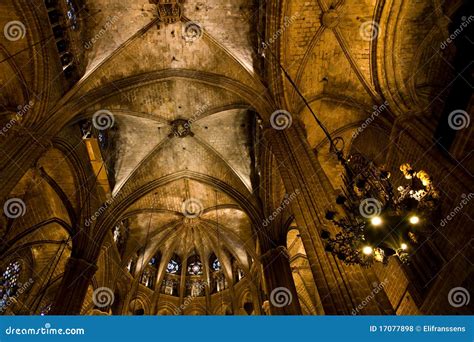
x,y
72,291
281,288
182,284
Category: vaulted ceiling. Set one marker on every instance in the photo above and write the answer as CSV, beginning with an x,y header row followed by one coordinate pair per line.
x,y
152,77
348,57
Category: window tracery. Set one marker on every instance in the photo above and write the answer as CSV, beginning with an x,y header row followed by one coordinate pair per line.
x,y
71,15
216,265
173,267
195,268
9,283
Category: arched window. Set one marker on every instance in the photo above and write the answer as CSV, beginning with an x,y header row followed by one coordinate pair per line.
x,y
195,268
155,260
149,274
237,270
170,287
194,265
220,281
216,265
71,15
173,267
8,283
147,278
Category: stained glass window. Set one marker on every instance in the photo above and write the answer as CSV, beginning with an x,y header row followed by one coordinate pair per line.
x,y
71,14
173,267
8,283
195,268
216,265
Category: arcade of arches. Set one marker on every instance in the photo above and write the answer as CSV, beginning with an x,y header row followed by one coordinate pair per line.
x,y
143,171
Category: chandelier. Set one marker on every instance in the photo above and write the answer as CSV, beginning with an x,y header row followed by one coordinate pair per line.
x,y
376,222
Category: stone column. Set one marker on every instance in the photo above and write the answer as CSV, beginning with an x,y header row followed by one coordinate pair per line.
x,y
182,284
281,288
72,291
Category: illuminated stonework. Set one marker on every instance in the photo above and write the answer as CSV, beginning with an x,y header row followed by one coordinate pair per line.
x,y
168,207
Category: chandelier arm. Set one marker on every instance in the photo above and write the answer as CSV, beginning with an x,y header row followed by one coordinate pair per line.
x,y
339,153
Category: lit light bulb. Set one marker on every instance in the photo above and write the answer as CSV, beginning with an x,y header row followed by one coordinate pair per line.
x,y
376,221
404,246
367,250
414,219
